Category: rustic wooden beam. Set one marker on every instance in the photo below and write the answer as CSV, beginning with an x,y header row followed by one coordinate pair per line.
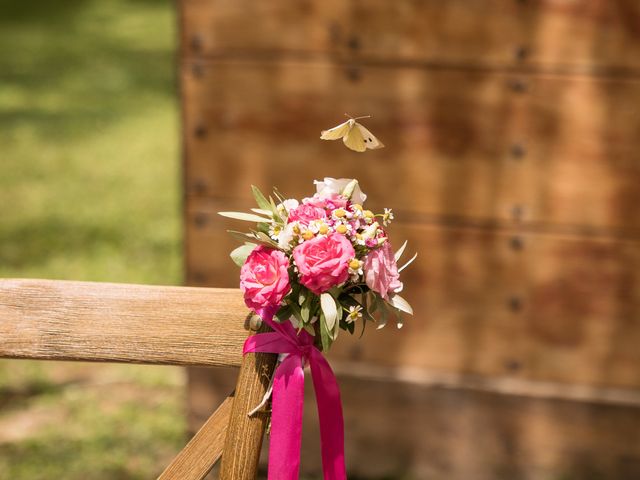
x,y
244,434
199,456
60,320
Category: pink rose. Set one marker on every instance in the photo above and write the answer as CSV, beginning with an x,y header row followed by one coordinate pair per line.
x,y
381,271
323,262
264,280
330,202
305,214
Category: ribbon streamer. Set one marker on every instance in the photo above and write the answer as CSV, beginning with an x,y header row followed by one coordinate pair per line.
x,y
288,401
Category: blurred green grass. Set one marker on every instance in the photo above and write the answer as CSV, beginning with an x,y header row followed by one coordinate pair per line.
x,y
89,190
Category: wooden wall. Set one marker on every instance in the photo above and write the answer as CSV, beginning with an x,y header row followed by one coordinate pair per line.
x,y
512,130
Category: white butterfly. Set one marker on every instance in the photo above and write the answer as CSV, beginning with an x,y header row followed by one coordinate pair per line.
x,y
354,135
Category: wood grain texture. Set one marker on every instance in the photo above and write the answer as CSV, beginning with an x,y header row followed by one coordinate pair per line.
x,y
60,320
488,302
437,432
466,429
244,434
197,458
464,147
583,35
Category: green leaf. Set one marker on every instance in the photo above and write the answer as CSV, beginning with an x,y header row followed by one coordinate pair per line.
x,y
295,309
260,198
259,211
240,254
350,327
250,237
264,238
247,217
325,337
329,309
284,313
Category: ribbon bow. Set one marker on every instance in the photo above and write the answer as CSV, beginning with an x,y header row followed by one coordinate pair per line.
x,y
288,401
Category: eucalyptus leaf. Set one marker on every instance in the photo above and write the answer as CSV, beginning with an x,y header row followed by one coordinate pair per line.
x,y
329,309
400,251
248,237
384,313
408,263
240,254
266,239
400,303
260,211
247,217
325,337
260,198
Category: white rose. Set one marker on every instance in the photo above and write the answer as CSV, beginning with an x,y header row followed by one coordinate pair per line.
x,y
340,186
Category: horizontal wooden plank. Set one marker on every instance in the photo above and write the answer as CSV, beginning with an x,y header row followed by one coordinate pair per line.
x,y
583,35
487,302
562,153
398,429
61,320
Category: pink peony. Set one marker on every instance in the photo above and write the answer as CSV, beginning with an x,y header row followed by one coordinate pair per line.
x,y
323,262
305,214
264,280
381,271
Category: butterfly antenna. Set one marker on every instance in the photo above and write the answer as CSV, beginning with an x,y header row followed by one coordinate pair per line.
x,y
365,116
348,116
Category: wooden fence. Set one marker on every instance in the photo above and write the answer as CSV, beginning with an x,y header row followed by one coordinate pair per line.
x,y
512,130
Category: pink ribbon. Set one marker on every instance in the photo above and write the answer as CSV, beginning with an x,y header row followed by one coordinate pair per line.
x,y
288,401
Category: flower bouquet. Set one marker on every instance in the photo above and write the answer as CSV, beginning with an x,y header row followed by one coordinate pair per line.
x,y
324,263
310,268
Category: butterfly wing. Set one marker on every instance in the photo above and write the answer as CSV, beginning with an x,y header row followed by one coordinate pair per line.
x,y
354,140
336,132
370,140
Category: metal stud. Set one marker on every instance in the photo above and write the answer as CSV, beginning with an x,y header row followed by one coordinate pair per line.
x,y
515,303
517,151
516,243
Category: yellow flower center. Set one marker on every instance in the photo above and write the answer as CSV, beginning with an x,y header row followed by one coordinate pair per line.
x,y
356,206
341,229
340,212
368,214
354,264
308,235
323,229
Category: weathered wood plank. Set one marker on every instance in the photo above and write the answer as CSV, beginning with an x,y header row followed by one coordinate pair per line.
x,y
584,35
197,458
244,434
60,320
460,146
466,434
485,433
487,302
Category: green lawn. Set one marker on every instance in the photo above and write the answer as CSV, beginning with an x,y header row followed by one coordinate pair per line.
x,y
89,190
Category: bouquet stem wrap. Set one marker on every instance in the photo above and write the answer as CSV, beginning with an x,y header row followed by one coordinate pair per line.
x,y
288,401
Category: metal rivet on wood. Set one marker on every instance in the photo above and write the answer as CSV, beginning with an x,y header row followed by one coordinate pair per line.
x,y
521,53
201,219
518,85
517,212
196,43
517,151
354,74
197,70
516,242
515,303
200,131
